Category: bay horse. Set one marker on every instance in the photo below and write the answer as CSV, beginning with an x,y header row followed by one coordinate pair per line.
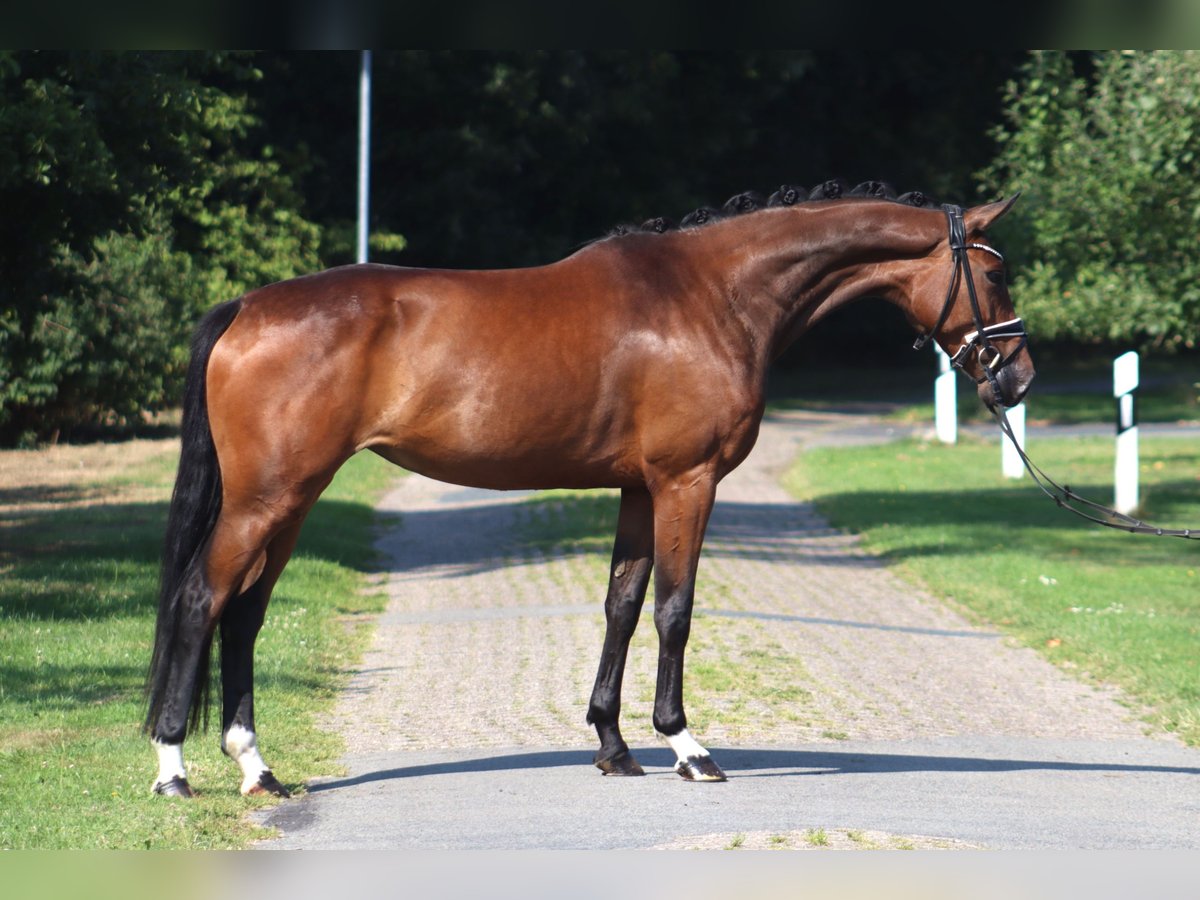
x,y
638,362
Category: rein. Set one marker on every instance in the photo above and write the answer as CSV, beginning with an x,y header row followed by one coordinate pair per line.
x,y
980,340
1063,496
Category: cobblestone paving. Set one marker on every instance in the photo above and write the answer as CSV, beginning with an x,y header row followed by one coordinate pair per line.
x,y
491,637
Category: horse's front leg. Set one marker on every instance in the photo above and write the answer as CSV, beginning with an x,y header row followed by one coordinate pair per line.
x,y
632,556
681,510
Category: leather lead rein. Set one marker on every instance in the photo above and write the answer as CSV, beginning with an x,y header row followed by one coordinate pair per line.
x,y
1063,496
980,340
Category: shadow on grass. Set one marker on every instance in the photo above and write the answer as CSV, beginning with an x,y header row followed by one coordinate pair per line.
x,y
1018,520
50,687
41,494
101,561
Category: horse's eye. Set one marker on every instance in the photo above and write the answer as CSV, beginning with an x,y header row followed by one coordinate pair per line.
x,y
996,276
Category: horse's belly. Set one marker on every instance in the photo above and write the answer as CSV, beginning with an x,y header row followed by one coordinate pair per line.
x,y
514,469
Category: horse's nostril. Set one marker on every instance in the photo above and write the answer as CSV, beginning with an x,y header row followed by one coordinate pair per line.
x,y
1018,387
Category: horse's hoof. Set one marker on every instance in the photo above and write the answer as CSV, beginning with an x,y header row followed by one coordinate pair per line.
x,y
699,768
621,764
267,784
176,787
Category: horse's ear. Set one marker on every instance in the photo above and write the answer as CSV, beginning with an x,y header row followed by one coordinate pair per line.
x,y
981,218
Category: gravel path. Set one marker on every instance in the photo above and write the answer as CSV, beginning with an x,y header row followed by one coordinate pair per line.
x,y
491,641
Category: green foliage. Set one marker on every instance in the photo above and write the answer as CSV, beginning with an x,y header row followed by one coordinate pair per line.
x,y
1104,239
121,333
504,158
339,244
143,187
137,197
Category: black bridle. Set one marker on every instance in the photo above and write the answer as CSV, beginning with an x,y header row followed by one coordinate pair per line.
x,y
991,361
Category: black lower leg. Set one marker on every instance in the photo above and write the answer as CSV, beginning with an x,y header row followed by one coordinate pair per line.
x,y
630,573
681,515
240,624
622,610
673,621
190,653
180,683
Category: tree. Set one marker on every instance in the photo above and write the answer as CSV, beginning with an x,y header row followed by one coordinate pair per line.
x,y
1106,150
135,198
503,158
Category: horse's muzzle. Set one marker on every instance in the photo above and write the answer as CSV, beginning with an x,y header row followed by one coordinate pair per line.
x,y
1013,381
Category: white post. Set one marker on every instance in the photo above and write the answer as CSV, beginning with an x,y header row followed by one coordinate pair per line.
x,y
364,151
945,401
1010,460
1125,476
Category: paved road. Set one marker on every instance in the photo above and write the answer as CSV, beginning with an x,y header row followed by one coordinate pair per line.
x,y
464,722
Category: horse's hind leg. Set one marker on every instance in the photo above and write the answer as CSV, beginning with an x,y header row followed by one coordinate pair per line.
x,y
681,511
187,664
238,557
232,554
240,624
630,573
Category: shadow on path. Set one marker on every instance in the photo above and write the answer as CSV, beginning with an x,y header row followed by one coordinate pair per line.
x,y
585,523
750,763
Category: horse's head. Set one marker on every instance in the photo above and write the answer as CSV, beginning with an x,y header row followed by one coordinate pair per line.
x,y
961,300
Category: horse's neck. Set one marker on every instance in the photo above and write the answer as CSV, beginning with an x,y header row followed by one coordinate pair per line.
x,y
788,268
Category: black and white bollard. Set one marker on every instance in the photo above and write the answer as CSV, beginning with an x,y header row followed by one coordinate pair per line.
x,y
1011,463
1125,476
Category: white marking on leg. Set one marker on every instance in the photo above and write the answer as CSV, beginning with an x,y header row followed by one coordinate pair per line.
x,y
241,746
694,762
170,761
684,745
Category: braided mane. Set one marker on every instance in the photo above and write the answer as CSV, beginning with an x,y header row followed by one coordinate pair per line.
x,y
786,195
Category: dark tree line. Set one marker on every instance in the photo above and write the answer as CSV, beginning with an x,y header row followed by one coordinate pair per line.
x,y
500,159
141,188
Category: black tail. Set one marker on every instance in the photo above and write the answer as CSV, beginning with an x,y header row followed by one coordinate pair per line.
x,y
195,505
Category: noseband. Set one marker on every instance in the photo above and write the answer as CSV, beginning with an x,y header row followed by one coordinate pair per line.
x,y
991,360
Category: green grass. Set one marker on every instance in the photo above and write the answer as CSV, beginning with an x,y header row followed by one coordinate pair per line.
x,y
77,602
1066,391
1067,403
1108,605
